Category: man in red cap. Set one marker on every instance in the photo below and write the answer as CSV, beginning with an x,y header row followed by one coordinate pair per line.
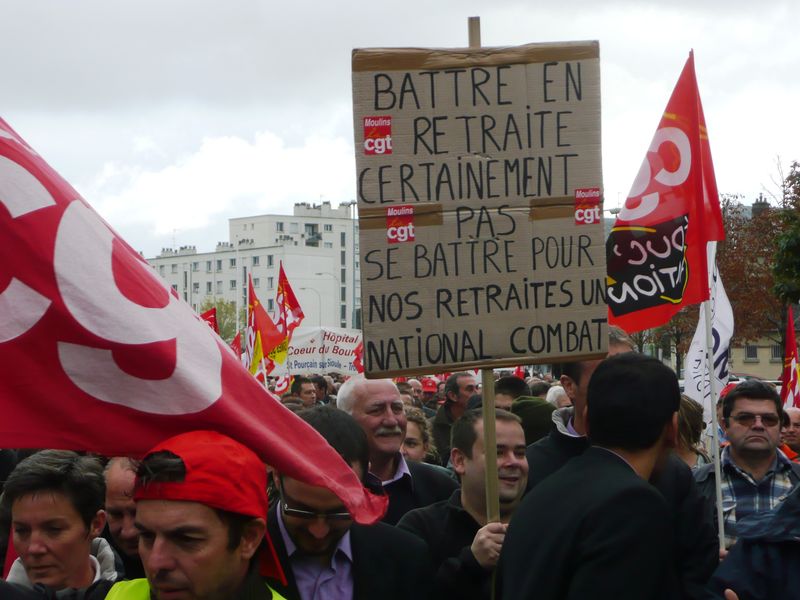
x,y
201,508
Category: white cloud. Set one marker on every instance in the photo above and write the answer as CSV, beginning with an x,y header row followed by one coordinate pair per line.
x,y
224,177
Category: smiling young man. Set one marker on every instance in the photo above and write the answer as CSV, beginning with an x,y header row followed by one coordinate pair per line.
x,y
201,506
55,499
464,547
755,476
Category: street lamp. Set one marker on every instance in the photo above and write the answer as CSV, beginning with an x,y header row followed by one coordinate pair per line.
x,y
337,295
319,303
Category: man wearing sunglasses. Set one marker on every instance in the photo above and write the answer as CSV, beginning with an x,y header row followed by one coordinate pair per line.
x,y
756,477
328,557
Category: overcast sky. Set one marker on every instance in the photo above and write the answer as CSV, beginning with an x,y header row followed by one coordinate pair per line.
x,y
170,116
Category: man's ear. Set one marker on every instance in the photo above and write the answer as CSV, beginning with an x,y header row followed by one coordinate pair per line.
x,y
459,459
97,524
570,387
252,534
671,432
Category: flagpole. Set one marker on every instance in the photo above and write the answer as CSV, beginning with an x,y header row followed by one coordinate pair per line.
x,y
712,388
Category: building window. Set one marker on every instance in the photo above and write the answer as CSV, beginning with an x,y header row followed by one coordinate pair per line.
x,y
344,294
294,228
343,258
196,287
343,239
208,266
328,244
327,227
219,264
256,281
776,354
161,270
343,315
174,268
208,287
256,260
750,353
270,260
219,287
195,267
343,275
279,226
232,263
175,286
270,283
270,305
233,284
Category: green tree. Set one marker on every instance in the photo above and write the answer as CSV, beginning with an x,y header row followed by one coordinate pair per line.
x,y
226,317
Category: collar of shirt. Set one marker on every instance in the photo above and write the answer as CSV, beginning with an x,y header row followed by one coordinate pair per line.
x,y
618,456
343,546
571,430
400,472
780,463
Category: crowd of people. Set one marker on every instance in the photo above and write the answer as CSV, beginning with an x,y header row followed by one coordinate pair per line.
x,y
606,488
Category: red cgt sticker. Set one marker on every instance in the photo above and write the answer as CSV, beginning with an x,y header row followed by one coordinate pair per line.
x,y
377,135
587,206
400,224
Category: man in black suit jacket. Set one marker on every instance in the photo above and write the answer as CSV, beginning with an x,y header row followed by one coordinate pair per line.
x,y
376,406
695,552
325,555
596,528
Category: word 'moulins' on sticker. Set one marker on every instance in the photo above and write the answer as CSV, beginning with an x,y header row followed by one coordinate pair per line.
x,y
377,135
400,224
587,206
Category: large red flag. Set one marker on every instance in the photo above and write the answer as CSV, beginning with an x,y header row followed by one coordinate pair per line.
x,y
790,377
656,252
97,354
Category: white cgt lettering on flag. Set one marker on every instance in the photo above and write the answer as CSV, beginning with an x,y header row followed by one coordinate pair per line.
x,y
83,266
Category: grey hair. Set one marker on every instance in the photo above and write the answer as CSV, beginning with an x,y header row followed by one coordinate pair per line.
x,y
346,396
553,393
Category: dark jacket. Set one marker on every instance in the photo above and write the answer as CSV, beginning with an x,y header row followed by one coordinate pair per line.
x,y
764,563
594,529
696,549
441,424
449,530
388,564
428,484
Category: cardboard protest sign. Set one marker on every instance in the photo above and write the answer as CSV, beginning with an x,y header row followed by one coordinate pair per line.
x,y
323,350
480,206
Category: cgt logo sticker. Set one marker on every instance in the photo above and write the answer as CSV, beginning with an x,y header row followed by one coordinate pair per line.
x,y
587,206
377,135
400,224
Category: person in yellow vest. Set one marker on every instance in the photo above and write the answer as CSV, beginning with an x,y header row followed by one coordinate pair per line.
x,y
201,508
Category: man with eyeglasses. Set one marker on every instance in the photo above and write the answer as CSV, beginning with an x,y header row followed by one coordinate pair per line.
x,y
325,555
756,477
458,389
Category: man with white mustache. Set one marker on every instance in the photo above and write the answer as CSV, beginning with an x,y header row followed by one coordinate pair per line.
x,y
464,547
376,405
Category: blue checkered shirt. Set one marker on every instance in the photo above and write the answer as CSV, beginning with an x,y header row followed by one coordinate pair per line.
x,y
742,496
